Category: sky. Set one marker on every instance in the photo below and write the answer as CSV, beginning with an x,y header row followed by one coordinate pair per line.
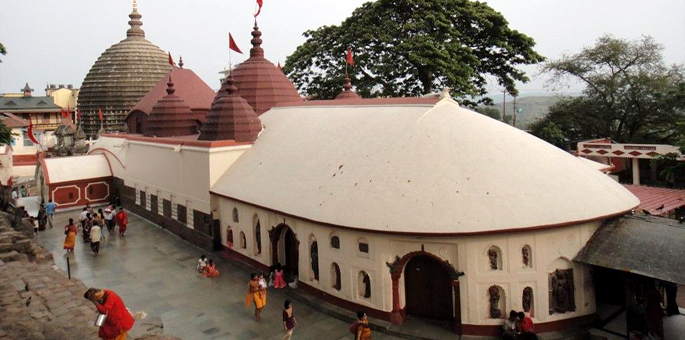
x,y
57,42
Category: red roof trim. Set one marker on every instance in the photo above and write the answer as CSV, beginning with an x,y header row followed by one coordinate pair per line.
x,y
489,232
368,101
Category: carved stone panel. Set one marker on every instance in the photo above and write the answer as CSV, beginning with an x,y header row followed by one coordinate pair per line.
x,y
561,291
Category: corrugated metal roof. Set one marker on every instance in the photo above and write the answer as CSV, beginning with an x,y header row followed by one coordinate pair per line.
x,y
643,245
657,201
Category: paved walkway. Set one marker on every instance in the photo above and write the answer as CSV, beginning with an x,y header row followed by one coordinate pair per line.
x,y
154,271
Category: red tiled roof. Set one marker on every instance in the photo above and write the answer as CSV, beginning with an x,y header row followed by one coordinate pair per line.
x,y
652,198
195,92
12,121
231,118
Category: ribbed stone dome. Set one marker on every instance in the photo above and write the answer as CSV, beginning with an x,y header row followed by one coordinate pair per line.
x,y
262,83
120,77
171,116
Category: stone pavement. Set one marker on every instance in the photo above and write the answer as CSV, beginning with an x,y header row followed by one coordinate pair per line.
x,y
154,271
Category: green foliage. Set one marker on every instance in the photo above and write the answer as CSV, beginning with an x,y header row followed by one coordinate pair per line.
x,y
550,132
3,51
5,134
413,47
493,113
630,95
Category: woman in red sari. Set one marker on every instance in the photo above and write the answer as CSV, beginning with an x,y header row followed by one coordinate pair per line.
x,y
119,320
122,221
70,239
210,269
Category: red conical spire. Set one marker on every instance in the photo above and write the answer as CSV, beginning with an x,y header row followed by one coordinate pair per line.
x,y
231,117
171,116
347,93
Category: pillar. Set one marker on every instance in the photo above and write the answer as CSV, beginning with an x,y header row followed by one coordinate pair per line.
x,y
652,175
636,171
396,314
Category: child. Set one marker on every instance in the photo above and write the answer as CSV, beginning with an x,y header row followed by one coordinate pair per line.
x,y
210,270
262,281
201,264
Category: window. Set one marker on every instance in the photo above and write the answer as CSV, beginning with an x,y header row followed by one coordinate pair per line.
x,y
496,302
495,258
181,214
527,301
364,282
243,241
363,247
257,235
229,237
25,136
142,198
46,116
335,242
335,276
527,256
314,258
235,215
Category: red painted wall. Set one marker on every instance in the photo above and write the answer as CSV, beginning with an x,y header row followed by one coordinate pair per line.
x,y
80,193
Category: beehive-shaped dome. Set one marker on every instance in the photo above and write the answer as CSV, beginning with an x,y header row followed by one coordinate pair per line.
x,y
122,75
171,116
260,82
231,118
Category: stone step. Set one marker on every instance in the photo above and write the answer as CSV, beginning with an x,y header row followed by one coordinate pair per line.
x,y
6,247
9,257
22,245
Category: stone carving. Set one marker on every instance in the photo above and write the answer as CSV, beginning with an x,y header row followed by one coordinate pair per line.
x,y
494,293
561,291
235,215
394,266
258,237
493,255
526,256
366,280
527,299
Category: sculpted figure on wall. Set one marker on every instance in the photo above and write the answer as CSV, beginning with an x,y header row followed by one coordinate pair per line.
x,y
525,252
495,312
493,255
527,299
562,291
314,254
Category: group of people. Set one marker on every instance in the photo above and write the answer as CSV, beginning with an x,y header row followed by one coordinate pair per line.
x,y
207,267
91,224
518,326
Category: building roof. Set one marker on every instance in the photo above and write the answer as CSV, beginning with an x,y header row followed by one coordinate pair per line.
x,y
189,87
171,116
415,169
75,168
260,82
12,121
29,104
597,165
657,201
120,77
643,245
231,118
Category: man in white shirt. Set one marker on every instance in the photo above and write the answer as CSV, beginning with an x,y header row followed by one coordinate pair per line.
x,y
109,218
95,236
82,218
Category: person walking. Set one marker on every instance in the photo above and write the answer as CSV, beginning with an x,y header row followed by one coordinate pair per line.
x,y
70,239
119,320
363,332
42,217
122,221
109,218
254,293
87,226
95,238
289,321
50,211
83,216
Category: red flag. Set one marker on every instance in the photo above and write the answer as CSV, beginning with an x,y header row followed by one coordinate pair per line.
x,y
100,114
232,45
30,133
349,57
62,113
260,3
171,60
78,113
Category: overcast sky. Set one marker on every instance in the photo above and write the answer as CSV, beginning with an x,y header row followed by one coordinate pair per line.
x,y
56,42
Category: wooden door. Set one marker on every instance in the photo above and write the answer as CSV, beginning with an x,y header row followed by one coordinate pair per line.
x,y
428,289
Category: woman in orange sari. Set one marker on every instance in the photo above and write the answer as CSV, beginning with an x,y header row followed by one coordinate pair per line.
x,y
210,269
70,240
256,293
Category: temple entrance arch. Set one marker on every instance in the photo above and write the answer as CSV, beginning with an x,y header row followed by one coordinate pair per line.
x,y
285,248
428,289
448,310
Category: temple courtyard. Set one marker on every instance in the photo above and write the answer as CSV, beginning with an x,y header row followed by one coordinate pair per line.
x,y
154,271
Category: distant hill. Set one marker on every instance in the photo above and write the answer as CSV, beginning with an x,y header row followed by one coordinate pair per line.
x,y
532,108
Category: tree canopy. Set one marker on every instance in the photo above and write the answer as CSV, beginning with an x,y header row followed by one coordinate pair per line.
x,y
629,96
5,134
413,47
3,51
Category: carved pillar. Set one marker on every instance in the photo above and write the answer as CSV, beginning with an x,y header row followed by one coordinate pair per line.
x,y
396,314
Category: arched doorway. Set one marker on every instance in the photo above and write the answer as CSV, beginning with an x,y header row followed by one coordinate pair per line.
x,y
284,248
428,289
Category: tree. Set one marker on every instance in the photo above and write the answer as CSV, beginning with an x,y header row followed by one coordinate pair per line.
x,y
413,47
3,51
492,113
629,95
5,134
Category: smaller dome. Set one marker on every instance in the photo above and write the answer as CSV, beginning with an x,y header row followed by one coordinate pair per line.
x,y
262,84
347,93
231,117
171,116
